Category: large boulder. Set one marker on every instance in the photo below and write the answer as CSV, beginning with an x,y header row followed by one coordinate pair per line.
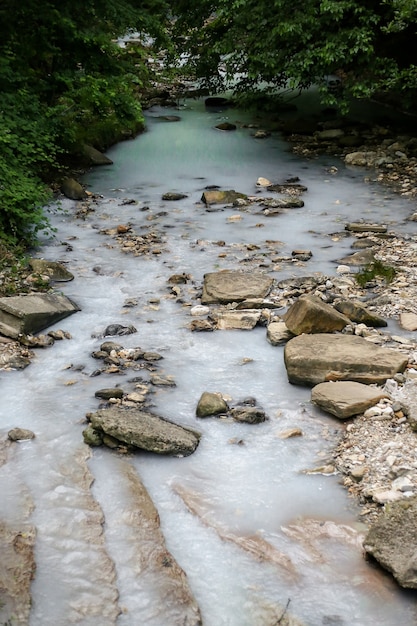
x,y
317,358
145,430
345,398
309,314
224,287
391,540
30,313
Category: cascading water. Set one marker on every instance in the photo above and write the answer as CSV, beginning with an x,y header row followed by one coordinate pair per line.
x,y
241,517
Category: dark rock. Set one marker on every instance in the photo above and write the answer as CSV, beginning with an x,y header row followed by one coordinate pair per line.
x,y
118,329
145,430
173,195
248,414
72,189
226,126
106,394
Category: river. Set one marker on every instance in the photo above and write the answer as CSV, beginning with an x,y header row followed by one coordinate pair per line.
x,y
244,481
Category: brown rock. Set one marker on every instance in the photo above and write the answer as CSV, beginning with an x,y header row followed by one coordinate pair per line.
x,y
309,314
345,398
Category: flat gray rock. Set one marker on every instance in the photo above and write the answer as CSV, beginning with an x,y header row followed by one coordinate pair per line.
x,y
317,358
391,540
224,287
31,313
345,398
145,430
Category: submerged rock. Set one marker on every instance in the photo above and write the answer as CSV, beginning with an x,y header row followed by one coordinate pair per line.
x,y
391,540
145,430
313,359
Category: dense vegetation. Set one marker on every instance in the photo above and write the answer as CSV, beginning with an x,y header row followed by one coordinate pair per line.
x,y
64,81
370,44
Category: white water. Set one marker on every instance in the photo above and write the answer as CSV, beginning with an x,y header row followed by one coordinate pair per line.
x,y
88,565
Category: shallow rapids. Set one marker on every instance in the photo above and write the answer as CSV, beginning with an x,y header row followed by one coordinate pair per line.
x,y
241,517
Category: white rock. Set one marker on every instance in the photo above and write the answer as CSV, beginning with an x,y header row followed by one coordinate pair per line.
x,y
343,269
403,483
199,310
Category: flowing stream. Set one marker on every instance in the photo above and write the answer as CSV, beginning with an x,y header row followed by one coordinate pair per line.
x,y
250,529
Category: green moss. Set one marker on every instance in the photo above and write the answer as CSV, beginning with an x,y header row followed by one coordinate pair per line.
x,y
374,270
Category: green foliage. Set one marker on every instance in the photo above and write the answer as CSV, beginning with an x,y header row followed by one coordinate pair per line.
x,y
373,270
64,82
371,45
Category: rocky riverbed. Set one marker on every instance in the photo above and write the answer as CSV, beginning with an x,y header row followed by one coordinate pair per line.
x,y
375,457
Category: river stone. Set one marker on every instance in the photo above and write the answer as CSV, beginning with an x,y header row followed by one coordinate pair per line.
x,y
317,358
408,321
363,227
356,312
248,414
172,196
238,320
361,159
56,271
226,126
391,540
30,313
277,333
106,394
20,434
72,189
309,314
211,404
95,157
345,398
227,287
145,430
217,196
363,257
